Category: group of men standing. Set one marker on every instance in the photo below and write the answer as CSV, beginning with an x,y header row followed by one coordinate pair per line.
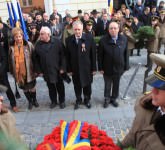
x,y
78,59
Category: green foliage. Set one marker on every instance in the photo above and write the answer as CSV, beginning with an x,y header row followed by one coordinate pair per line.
x,y
7,143
120,145
97,39
144,32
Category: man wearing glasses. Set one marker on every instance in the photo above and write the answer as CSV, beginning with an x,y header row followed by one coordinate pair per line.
x,y
112,62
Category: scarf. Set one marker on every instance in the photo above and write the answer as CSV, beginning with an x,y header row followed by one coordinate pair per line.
x,y
20,67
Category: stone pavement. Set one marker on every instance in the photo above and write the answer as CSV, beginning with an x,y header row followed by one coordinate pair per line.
x,y
34,124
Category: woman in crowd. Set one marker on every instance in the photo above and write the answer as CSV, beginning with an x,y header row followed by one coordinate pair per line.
x,y
21,67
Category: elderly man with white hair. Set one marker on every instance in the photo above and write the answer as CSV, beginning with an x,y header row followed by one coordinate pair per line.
x,y
50,62
81,61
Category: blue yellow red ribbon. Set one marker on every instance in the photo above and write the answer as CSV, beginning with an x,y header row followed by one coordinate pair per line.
x,y
70,136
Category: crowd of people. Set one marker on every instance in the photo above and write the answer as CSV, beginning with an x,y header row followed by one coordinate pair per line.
x,y
62,47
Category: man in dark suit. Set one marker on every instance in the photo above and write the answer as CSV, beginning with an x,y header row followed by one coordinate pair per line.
x,y
49,60
81,60
102,25
4,79
95,19
112,62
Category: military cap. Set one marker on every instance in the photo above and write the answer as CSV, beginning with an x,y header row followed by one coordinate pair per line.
x,y
153,18
89,22
79,11
162,11
157,79
130,19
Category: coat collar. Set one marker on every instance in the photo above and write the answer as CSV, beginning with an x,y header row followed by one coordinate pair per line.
x,y
83,38
110,39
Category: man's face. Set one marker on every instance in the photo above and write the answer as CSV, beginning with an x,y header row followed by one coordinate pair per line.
x,y
78,29
113,29
89,27
44,36
158,97
105,17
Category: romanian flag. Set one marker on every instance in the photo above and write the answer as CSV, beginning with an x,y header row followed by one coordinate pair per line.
x,y
110,6
10,16
16,23
23,26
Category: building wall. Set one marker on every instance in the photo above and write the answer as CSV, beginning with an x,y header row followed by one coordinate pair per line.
x,y
74,5
3,10
35,3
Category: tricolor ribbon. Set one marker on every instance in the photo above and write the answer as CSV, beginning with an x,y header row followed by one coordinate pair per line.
x,y
70,136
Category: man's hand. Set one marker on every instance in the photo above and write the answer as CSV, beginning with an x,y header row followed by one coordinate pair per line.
x,y
61,71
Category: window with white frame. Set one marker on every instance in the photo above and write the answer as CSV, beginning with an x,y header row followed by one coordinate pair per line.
x,y
27,2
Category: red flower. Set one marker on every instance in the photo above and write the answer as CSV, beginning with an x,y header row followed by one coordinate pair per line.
x,y
98,138
95,142
84,135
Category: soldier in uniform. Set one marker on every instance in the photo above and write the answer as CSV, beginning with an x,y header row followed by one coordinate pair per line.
x,y
89,27
128,32
152,46
162,28
147,131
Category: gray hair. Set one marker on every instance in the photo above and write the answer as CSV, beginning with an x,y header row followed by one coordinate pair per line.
x,y
45,29
77,22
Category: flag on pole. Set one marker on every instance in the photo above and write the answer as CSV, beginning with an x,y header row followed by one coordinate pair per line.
x,y
10,16
110,6
23,26
16,23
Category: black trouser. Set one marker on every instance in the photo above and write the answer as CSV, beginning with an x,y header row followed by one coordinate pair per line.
x,y
111,90
4,81
56,88
78,89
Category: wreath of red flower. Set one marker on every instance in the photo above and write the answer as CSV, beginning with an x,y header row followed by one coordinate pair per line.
x,y
99,140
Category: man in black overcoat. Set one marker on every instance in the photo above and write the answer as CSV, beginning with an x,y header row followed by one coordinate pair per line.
x,y
49,60
112,62
81,60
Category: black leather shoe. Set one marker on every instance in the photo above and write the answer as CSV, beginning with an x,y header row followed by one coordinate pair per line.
x,y
62,105
114,103
88,105
105,104
35,103
52,105
76,106
30,106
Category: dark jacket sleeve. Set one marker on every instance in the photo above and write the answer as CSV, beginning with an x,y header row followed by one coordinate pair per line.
x,y
126,56
3,61
36,60
100,55
68,57
93,55
62,57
